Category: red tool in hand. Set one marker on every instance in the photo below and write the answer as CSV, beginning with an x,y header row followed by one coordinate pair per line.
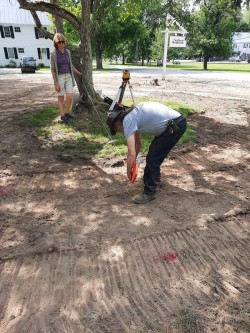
x,y
135,169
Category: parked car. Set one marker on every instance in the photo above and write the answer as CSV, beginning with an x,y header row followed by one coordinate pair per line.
x,y
234,59
28,65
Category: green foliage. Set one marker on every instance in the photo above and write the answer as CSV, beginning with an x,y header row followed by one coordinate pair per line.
x,y
129,28
245,23
211,28
12,64
157,45
157,48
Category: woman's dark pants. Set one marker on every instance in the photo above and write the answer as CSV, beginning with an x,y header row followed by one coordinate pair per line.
x,y
158,151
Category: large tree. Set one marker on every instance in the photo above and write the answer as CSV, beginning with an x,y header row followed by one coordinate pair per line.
x,y
211,28
103,24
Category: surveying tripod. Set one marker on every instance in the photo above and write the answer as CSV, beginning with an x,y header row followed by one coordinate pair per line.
x,y
121,90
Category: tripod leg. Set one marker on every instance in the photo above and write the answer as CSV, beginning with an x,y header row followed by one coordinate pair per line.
x,y
131,92
123,87
116,99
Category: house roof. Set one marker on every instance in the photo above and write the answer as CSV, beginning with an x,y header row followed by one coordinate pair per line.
x,y
10,13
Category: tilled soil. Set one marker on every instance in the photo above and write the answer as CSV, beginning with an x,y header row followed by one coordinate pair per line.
x,y
76,255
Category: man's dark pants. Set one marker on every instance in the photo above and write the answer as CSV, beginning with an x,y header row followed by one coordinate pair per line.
x,y
158,151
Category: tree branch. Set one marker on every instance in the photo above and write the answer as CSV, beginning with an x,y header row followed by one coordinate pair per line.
x,y
40,26
42,6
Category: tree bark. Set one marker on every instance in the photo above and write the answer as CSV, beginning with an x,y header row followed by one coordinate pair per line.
x,y
205,61
85,50
58,20
99,58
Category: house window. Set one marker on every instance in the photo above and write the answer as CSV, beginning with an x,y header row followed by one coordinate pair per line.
x,y
7,31
43,53
20,50
17,29
245,46
10,53
235,46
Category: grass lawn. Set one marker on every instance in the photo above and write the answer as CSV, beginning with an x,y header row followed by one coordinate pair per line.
x,y
194,66
215,67
87,135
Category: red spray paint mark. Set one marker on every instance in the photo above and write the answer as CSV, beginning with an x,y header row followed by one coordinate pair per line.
x,y
5,190
167,257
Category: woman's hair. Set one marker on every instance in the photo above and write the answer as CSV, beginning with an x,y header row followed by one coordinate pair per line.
x,y
56,38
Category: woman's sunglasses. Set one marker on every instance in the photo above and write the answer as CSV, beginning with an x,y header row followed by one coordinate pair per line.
x,y
61,42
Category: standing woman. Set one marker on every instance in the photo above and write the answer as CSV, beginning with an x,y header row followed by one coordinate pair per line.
x,y
62,72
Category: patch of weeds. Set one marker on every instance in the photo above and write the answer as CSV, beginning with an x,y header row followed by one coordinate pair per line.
x,y
189,321
90,320
240,312
42,118
43,133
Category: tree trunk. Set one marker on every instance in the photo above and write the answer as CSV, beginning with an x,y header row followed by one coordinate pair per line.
x,y
205,61
137,52
99,58
88,92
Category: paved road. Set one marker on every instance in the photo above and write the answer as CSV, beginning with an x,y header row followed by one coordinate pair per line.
x,y
147,71
202,75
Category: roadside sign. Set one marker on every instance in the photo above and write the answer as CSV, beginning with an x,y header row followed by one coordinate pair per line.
x,y
177,41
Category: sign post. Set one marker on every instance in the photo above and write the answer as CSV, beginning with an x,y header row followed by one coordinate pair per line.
x,y
175,41
165,54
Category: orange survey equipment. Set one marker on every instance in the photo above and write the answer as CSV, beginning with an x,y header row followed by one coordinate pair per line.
x,y
135,169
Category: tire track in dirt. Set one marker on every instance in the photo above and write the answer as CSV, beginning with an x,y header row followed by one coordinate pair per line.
x,y
130,282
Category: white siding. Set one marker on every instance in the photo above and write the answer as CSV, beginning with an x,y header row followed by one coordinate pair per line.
x,y
241,42
12,17
10,13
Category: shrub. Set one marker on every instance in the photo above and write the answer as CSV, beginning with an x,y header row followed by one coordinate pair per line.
x,y
11,64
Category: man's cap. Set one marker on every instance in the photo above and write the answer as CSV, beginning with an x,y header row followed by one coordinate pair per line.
x,y
112,118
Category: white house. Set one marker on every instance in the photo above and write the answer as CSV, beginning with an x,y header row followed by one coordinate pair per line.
x,y
241,44
19,36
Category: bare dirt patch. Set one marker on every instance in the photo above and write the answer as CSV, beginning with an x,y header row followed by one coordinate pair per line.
x,y
77,256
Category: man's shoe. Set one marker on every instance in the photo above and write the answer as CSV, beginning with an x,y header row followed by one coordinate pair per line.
x,y
143,198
